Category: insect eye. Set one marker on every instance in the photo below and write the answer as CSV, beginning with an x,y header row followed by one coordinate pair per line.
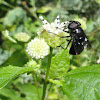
x,y
72,25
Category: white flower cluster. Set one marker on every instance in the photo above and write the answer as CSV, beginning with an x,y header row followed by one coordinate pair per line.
x,y
52,32
55,27
37,48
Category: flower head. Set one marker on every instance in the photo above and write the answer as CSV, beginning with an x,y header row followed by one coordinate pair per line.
x,y
23,37
55,27
37,48
52,32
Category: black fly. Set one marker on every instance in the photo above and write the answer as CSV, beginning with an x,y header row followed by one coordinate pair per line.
x,y
78,38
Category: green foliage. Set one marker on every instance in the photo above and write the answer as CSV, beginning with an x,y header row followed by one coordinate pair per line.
x,y
55,82
59,65
33,64
83,83
23,16
44,9
6,35
16,59
3,56
7,73
1,27
10,94
23,92
14,16
70,3
31,27
30,91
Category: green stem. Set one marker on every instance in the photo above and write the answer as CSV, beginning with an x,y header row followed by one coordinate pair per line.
x,y
49,89
40,62
36,83
7,4
32,13
47,74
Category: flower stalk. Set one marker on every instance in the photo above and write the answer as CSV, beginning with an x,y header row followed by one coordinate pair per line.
x,y
36,83
47,74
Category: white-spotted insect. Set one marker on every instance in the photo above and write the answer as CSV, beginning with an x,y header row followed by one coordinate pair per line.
x,y
78,37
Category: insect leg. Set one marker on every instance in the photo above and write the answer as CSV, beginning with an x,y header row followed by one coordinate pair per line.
x,y
61,46
60,36
64,36
68,43
67,40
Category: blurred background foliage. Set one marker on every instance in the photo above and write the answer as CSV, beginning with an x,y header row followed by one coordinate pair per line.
x,y
23,16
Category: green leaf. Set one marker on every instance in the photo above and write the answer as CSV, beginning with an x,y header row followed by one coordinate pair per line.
x,y
32,2
2,28
90,25
14,16
44,9
3,55
1,1
16,59
10,93
58,82
30,91
83,83
7,73
98,1
59,64
70,3
7,36
26,92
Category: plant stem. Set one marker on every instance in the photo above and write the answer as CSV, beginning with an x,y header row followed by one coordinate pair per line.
x,y
7,4
49,90
28,9
47,74
36,83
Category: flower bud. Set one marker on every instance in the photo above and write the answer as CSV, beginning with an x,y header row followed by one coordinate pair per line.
x,y
22,37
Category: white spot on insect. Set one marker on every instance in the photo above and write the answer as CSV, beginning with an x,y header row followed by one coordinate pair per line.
x,y
80,37
76,30
85,47
82,43
78,43
85,39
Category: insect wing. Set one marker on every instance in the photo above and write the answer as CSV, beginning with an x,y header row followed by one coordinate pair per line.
x,y
72,50
86,43
76,48
79,45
